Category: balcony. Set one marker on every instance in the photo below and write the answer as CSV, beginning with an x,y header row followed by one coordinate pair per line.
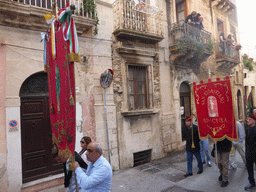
x,y
227,57
137,21
29,14
189,45
224,6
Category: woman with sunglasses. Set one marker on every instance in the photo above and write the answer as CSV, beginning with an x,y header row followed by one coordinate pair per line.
x,y
84,143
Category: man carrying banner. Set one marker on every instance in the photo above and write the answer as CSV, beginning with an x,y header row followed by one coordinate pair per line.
x,y
223,151
99,172
250,149
216,119
191,135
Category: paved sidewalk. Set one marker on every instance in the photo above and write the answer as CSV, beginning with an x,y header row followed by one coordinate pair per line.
x,y
167,175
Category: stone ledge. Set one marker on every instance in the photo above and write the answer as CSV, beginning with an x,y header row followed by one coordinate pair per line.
x,y
133,34
132,51
45,183
139,113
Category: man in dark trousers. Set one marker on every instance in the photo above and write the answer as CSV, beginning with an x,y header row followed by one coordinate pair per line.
x,y
250,149
223,151
191,135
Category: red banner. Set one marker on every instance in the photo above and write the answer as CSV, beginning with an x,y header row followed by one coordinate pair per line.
x,y
61,95
215,113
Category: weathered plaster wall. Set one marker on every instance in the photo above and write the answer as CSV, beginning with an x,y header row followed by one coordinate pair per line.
x,y
3,140
138,132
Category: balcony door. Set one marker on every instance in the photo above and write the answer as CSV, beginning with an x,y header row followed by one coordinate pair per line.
x,y
181,10
220,27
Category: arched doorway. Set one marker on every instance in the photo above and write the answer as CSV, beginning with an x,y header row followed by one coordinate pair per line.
x,y
239,105
36,136
185,103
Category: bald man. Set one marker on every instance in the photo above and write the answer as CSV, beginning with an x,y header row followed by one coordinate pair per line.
x,y
99,172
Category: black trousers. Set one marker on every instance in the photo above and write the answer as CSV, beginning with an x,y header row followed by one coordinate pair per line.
x,y
249,166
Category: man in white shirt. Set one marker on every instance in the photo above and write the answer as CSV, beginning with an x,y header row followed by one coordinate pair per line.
x,y
99,172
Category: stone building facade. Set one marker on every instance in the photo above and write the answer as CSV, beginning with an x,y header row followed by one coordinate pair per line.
x,y
151,90
24,83
197,54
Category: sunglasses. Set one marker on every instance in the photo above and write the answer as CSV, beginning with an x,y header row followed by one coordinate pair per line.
x,y
82,142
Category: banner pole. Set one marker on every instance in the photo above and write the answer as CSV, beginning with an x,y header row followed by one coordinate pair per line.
x,y
106,123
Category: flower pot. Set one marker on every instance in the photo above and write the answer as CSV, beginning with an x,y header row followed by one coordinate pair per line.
x,y
238,47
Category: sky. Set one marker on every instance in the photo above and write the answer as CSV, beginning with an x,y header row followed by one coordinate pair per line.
x,y
247,26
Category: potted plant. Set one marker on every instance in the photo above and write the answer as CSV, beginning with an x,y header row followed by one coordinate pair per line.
x,y
245,56
238,47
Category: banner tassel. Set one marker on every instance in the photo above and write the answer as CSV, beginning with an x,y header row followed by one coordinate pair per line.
x,y
232,149
71,100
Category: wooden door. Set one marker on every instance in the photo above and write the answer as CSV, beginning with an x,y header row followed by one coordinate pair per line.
x,y
185,103
36,135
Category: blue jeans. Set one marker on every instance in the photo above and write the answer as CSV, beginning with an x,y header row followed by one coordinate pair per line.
x,y
190,161
204,149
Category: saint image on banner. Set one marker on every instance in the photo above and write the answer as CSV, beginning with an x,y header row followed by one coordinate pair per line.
x,y
212,106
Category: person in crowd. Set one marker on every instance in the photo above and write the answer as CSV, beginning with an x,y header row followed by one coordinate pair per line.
x,y
99,172
223,151
238,146
84,143
69,179
204,148
229,44
191,135
250,149
222,43
254,112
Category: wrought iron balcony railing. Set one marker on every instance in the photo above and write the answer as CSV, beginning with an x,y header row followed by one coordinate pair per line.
x,y
226,52
141,17
61,4
183,34
30,14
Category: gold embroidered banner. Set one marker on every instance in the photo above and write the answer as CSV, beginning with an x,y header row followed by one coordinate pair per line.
x,y
215,112
61,96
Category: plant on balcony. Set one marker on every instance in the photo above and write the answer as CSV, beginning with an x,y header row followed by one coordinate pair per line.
x,y
188,44
245,56
210,46
90,9
238,47
248,63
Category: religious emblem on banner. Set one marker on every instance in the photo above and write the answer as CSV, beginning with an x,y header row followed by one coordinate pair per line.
x,y
61,52
215,113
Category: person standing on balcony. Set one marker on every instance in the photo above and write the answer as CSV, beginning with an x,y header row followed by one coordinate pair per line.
x,y
222,43
192,19
229,44
199,23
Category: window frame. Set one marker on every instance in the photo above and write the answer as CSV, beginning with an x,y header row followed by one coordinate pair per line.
x,y
146,104
149,87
